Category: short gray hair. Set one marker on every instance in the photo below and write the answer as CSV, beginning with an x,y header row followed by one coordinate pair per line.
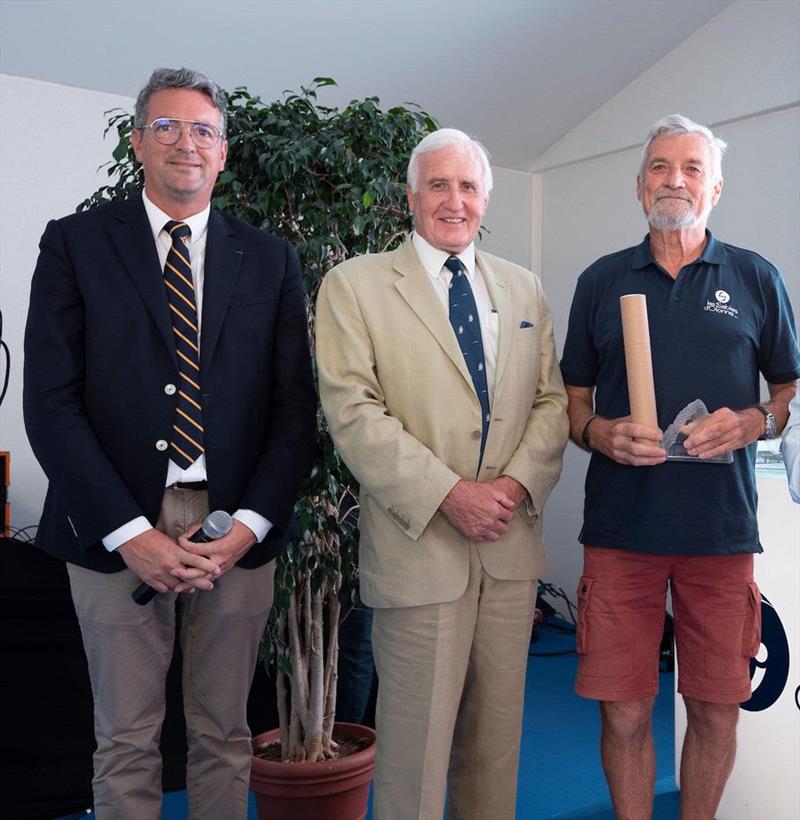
x,y
165,78
444,138
673,125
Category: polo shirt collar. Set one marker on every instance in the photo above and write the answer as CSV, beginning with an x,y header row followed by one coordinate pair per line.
x,y
713,253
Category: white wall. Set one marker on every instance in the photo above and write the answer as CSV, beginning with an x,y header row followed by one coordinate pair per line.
x,y
741,74
51,144
509,216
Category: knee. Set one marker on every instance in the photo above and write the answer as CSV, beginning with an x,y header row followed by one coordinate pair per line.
x,y
626,720
713,719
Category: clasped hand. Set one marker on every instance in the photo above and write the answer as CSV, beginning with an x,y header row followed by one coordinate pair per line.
x,y
482,512
183,565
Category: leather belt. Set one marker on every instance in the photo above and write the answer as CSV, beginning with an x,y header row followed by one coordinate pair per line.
x,y
190,485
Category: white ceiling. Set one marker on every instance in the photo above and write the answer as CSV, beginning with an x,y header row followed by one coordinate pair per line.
x,y
518,74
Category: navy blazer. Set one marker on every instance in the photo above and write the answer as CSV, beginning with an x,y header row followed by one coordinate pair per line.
x,y
99,354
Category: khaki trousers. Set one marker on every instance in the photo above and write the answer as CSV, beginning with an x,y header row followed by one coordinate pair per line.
x,y
450,700
129,649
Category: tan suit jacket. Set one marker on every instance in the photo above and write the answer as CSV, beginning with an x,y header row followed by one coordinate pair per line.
x,y
406,419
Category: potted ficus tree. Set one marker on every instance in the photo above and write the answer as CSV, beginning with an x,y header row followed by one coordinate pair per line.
x,y
332,182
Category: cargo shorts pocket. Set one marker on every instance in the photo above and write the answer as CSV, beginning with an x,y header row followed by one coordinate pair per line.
x,y
751,636
584,594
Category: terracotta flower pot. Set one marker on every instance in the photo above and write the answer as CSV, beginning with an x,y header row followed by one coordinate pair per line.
x,y
330,790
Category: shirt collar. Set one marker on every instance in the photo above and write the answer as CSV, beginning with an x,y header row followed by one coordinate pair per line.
x,y
713,253
433,259
198,223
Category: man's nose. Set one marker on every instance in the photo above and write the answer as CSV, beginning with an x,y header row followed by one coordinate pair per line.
x,y
454,199
185,142
675,178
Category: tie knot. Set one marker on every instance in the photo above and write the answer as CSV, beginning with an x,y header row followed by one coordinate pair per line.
x,y
178,230
454,265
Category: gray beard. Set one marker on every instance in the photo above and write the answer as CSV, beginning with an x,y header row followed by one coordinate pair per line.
x,y
663,221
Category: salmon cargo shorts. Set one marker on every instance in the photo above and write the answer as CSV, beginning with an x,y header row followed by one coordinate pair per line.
x,y
621,602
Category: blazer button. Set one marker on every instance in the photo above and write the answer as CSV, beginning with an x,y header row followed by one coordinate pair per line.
x,y
476,434
161,445
170,389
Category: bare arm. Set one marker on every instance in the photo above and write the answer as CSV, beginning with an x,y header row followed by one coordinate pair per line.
x,y
725,429
619,439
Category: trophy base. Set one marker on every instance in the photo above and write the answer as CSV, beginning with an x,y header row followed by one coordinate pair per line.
x,y
677,433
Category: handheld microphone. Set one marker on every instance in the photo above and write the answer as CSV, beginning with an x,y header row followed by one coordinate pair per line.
x,y
216,525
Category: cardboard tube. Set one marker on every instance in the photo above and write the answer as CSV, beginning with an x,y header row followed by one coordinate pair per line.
x,y
638,360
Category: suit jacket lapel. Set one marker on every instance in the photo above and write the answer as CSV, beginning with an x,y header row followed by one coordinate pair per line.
x,y
501,299
224,255
416,288
132,236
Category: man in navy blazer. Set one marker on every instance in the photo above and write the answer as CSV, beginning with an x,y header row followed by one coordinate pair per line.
x,y
106,386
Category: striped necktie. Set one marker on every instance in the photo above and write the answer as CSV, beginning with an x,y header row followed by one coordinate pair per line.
x,y
187,436
467,326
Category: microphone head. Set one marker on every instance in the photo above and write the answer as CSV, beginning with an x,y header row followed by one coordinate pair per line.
x,y
217,524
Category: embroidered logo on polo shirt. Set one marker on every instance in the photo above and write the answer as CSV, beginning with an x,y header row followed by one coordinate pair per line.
x,y
720,304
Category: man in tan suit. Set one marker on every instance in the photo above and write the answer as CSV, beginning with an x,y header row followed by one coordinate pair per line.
x,y
439,379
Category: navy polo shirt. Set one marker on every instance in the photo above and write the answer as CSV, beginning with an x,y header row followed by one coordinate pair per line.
x,y
723,319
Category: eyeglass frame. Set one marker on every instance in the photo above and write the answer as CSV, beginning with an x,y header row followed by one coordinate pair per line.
x,y
149,127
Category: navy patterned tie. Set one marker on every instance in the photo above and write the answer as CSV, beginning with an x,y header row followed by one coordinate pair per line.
x,y
187,432
466,324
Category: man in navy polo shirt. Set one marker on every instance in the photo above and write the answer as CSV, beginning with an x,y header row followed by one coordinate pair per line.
x,y
718,317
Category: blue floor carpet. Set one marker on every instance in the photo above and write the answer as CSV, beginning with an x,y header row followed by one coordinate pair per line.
x,y
560,774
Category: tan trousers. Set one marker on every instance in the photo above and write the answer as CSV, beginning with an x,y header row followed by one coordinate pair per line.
x,y
129,648
450,699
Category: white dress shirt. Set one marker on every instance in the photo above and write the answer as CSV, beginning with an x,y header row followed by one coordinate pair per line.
x,y
790,446
432,260
198,224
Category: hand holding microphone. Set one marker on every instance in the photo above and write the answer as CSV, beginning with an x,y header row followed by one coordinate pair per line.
x,y
216,525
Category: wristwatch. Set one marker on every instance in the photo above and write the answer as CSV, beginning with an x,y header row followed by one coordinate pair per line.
x,y
770,429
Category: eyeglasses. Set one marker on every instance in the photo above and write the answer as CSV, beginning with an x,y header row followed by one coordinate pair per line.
x,y
168,130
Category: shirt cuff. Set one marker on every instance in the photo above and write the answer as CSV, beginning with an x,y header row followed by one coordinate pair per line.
x,y
127,531
257,523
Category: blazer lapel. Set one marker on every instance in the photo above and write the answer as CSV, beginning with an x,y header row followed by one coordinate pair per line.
x,y
224,255
132,237
416,288
501,299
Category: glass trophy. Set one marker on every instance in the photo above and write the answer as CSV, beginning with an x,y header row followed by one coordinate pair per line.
x,y
679,431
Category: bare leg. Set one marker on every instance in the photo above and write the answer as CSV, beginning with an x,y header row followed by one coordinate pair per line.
x,y
709,750
629,760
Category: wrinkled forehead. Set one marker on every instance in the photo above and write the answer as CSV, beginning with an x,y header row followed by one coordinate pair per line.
x,y
459,161
681,148
182,103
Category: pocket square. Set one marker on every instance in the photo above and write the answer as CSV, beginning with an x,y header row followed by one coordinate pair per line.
x,y
525,324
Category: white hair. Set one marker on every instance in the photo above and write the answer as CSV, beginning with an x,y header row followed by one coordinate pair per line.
x,y
444,138
673,125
